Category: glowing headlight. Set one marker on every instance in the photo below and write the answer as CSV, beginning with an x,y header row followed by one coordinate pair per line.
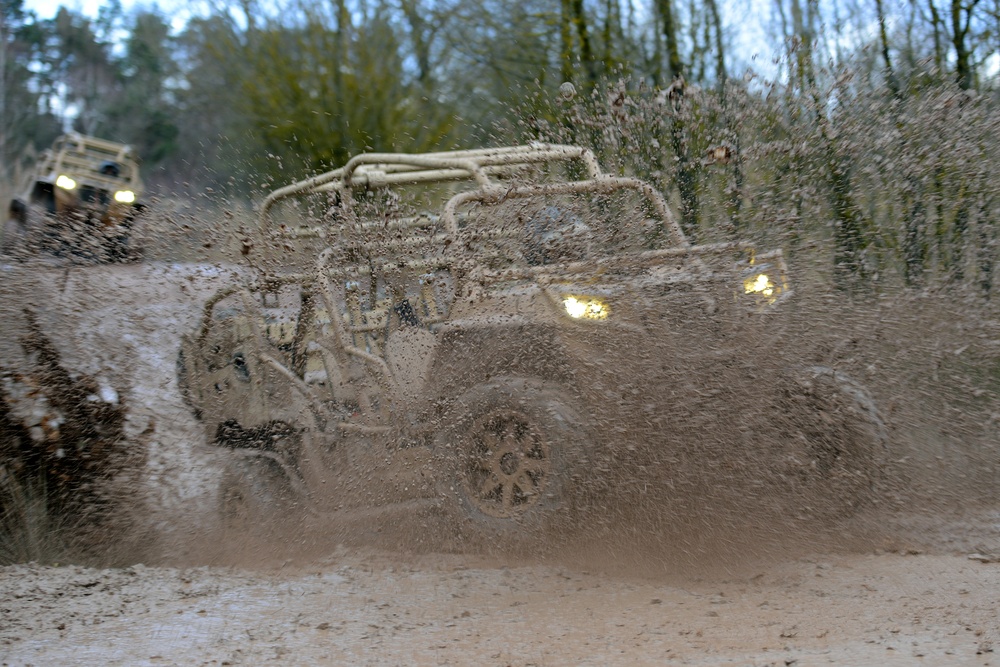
x,y
125,196
585,308
65,182
758,284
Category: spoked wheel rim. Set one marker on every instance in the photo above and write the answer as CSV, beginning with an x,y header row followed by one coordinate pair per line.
x,y
509,464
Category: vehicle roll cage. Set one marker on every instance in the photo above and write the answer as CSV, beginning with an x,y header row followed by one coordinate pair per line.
x,y
485,167
482,165
83,157
334,286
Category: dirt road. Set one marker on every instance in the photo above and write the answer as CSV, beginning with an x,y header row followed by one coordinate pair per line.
x,y
910,595
886,609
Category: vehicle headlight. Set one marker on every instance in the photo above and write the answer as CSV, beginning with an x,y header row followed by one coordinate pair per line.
x,y
764,278
760,283
586,308
65,182
125,196
765,285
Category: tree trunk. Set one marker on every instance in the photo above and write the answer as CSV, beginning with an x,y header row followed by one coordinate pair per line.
x,y
987,248
670,36
566,40
936,25
420,38
914,236
612,19
849,240
959,32
890,74
687,176
848,234
734,188
586,51
803,52
720,52
959,234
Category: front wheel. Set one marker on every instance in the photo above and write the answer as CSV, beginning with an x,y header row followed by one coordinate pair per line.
x,y
118,250
125,246
13,238
837,442
255,496
509,450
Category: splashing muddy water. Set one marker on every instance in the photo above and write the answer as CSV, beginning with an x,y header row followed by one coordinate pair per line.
x,y
704,551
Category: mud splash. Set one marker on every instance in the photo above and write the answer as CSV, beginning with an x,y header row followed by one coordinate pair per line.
x,y
66,466
704,503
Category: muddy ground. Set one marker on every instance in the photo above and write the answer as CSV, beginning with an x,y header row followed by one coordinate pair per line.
x,y
908,581
368,609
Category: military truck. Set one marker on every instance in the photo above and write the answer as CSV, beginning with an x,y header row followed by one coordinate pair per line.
x,y
471,330
80,200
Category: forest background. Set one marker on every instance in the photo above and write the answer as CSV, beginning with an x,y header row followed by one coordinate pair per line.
x,y
869,134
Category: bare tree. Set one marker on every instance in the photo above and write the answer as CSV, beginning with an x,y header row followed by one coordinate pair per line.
x,y
961,21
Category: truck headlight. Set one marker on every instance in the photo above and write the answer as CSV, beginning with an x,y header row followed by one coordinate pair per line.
x,y
586,308
65,182
125,196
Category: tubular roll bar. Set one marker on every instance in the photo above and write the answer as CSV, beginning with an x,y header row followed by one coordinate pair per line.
x,y
82,154
378,169
602,184
385,169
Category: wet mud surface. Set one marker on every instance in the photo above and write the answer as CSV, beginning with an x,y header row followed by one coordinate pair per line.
x,y
902,582
377,609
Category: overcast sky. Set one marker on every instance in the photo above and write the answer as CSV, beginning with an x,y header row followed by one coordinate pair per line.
x,y
746,19
178,10
46,9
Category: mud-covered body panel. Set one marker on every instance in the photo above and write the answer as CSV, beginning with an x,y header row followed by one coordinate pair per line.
x,y
661,340
230,384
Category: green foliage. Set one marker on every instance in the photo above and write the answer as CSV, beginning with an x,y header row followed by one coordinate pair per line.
x,y
311,110
23,124
142,110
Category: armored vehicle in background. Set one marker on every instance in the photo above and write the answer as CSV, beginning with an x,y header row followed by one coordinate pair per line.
x,y
80,200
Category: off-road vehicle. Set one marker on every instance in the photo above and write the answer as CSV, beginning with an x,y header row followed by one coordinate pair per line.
x,y
80,199
474,329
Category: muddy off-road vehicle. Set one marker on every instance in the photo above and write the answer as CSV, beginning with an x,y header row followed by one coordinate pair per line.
x,y
481,330
80,200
